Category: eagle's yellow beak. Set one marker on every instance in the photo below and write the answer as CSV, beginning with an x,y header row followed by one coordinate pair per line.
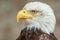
x,y
23,15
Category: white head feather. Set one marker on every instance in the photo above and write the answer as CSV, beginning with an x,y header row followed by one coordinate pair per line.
x,y
45,19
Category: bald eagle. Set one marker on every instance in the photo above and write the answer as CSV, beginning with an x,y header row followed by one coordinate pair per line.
x,y
38,22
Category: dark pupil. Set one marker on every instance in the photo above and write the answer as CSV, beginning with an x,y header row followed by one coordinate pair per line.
x,y
33,10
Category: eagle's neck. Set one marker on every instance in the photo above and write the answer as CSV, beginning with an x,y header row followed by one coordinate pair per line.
x,y
33,25
44,26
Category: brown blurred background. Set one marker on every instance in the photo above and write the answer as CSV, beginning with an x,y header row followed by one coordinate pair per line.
x,y
9,29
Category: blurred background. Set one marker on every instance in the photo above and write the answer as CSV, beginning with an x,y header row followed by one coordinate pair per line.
x,y
9,29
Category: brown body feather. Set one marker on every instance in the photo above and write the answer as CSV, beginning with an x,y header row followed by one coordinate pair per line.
x,y
35,35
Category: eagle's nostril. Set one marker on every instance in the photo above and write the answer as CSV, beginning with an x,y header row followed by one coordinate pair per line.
x,y
24,12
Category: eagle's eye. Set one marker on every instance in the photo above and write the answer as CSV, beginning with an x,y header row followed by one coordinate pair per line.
x,y
33,11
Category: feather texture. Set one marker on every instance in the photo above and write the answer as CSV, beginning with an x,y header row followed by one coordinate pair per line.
x,y
35,35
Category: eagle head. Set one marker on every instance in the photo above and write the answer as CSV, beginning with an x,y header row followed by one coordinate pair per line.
x,y
37,15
